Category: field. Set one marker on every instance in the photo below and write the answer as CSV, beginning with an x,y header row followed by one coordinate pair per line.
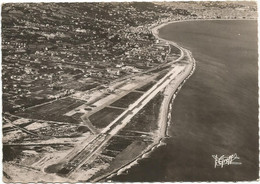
x,y
146,87
175,50
128,154
128,99
146,119
118,143
88,87
77,116
162,74
129,151
53,111
105,116
159,69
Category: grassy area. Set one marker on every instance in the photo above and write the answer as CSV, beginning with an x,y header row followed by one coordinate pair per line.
x,y
124,157
126,148
77,116
53,111
10,153
146,87
110,153
88,87
162,74
118,143
105,116
175,50
159,69
128,154
126,100
146,119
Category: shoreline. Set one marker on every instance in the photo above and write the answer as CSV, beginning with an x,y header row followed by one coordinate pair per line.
x,y
155,28
161,133
163,126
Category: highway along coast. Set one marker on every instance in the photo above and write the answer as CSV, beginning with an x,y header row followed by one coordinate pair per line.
x,y
99,92
182,68
117,125
115,147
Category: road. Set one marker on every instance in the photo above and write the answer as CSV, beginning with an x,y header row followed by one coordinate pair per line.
x,y
165,110
87,152
170,93
81,156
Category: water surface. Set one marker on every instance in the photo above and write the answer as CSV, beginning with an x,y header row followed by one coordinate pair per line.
x,y
216,111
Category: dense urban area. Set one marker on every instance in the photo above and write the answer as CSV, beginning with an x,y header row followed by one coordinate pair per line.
x,y
70,69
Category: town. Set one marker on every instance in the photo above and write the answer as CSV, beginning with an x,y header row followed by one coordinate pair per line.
x,y
83,76
47,55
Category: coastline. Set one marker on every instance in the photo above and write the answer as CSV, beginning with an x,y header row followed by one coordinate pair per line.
x,y
163,126
91,92
221,49
164,118
166,110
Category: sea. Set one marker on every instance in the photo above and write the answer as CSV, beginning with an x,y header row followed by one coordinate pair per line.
x,y
216,111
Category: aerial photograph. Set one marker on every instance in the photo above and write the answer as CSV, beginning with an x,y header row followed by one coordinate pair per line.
x,y
129,91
